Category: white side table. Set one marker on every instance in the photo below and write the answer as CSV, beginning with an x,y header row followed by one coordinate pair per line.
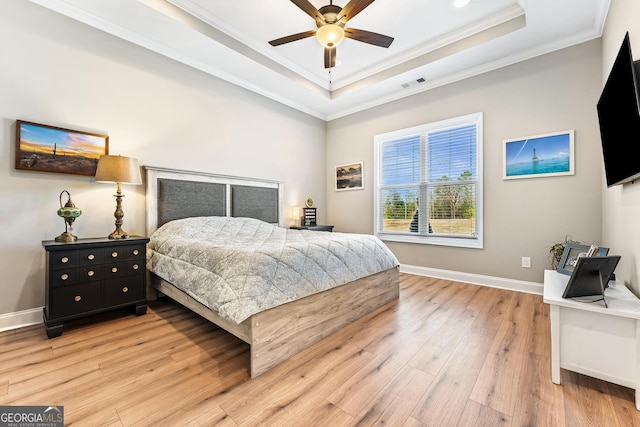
x,y
593,340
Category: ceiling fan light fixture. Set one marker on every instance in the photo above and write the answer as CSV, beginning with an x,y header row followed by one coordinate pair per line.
x,y
330,35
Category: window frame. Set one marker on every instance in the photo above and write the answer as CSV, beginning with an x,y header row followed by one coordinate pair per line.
x,y
421,131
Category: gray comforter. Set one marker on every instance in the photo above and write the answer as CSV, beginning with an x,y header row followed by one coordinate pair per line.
x,y
241,266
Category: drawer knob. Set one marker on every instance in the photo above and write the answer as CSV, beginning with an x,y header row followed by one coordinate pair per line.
x,y
65,276
114,254
125,289
136,252
90,273
135,266
77,298
114,270
91,257
64,260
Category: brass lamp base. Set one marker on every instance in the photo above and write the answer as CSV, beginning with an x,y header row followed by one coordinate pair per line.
x,y
119,234
66,237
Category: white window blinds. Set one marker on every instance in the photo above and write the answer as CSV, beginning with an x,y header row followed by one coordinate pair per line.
x,y
428,183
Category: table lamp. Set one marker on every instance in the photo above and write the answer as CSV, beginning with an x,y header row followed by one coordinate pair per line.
x,y
121,170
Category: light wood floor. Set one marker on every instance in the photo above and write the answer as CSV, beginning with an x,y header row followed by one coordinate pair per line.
x,y
445,354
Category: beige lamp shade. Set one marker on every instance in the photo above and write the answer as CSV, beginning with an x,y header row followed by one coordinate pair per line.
x,y
119,169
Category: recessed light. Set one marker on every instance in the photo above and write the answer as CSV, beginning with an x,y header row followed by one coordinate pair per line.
x,y
461,3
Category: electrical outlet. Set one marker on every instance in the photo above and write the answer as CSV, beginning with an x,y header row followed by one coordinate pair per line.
x,y
526,262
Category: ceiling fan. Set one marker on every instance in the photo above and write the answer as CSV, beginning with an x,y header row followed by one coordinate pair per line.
x,y
331,21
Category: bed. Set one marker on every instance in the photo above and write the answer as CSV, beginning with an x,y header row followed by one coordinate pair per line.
x,y
195,209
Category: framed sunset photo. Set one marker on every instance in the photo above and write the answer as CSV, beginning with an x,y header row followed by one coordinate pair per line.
x,y
47,148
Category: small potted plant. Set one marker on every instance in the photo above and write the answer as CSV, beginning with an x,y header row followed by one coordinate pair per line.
x,y
556,250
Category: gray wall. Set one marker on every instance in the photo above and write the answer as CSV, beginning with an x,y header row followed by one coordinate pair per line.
x,y
621,204
63,73
57,71
524,217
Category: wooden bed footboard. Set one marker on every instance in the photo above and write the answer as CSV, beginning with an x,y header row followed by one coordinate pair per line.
x,y
277,334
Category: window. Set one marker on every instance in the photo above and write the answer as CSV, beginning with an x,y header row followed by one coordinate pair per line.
x,y
429,183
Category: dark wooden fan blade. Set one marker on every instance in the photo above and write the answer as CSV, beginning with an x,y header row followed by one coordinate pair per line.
x,y
353,8
292,38
368,37
309,9
329,57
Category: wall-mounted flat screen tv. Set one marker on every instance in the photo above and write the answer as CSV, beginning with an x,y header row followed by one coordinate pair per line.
x,y
619,118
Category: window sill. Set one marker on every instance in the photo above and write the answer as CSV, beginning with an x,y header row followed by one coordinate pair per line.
x,y
460,242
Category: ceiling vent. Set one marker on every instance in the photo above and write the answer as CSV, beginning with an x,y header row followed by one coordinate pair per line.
x,y
413,82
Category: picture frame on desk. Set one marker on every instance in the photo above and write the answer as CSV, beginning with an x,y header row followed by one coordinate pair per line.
x,y
571,253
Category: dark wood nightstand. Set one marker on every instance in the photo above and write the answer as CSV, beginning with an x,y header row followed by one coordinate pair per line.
x,y
313,227
89,276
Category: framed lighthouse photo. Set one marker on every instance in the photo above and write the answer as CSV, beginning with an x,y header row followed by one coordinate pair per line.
x,y
539,156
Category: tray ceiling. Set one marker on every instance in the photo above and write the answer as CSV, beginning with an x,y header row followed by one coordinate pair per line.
x,y
434,43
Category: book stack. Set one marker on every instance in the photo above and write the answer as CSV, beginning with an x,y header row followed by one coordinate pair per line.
x,y
593,250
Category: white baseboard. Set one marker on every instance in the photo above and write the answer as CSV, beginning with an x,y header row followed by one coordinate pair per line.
x,y
34,316
20,319
475,279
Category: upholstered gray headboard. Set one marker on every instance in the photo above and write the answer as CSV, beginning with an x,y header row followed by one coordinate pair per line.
x,y
174,194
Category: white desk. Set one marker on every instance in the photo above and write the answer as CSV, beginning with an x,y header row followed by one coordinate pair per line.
x,y
593,340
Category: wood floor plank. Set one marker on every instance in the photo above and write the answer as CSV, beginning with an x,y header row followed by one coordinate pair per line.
x,y
538,400
588,402
624,407
477,415
445,354
496,310
399,400
437,348
449,392
540,336
53,385
362,390
204,413
263,399
92,416
498,381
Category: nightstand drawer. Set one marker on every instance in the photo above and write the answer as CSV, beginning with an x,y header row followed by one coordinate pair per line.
x,y
123,253
91,256
63,277
74,299
124,290
76,275
135,252
63,259
120,269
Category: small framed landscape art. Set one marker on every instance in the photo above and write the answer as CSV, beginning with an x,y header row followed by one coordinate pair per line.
x,y
53,149
349,177
539,156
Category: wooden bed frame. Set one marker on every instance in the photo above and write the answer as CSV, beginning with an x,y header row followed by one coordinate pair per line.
x,y
276,334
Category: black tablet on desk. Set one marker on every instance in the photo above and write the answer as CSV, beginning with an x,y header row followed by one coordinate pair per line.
x,y
590,276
